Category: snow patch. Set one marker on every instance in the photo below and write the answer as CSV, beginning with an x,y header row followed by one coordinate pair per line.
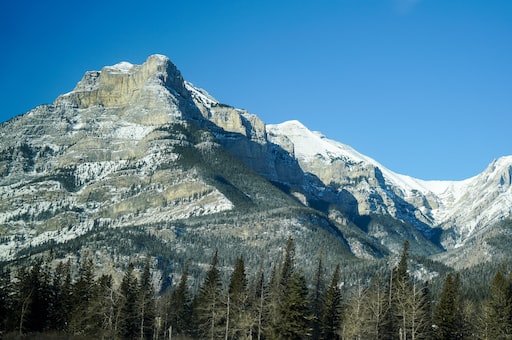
x,y
122,67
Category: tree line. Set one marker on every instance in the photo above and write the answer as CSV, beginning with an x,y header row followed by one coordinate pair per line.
x,y
45,302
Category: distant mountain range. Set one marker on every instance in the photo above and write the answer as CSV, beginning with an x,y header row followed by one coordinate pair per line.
x,y
135,160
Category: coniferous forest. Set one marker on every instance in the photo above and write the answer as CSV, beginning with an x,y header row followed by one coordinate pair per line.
x,y
53,302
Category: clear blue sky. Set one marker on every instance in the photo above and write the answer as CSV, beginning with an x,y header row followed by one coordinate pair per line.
x,y
422,86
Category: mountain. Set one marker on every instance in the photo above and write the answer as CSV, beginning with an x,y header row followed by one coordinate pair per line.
x,y
136,161
459,208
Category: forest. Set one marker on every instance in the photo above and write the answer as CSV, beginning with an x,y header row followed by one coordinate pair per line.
x,y
44,301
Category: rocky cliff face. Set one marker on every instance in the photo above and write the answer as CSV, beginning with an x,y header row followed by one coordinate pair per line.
x,y
136,145
104,154
458,209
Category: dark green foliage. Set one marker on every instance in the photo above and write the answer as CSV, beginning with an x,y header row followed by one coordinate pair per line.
x,y
61,297
128,317
317,299
331,311
5,297
146,304
498,310
82,296
295,314
446,314
179,308
209,308
41,302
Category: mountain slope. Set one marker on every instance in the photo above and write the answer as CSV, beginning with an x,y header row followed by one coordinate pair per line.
x,y
126,166
460,209
136,160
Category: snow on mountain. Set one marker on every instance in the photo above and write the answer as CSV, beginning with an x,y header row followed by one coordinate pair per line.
x,y
465,206
310,145
109,147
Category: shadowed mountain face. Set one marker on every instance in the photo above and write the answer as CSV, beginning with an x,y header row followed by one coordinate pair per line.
x,y
137,155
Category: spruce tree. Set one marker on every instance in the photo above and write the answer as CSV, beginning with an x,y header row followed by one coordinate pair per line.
x,y
128,323
331,314
5,298
82,294
294,311
499,310
179,307
209,303
446,312
146,304
317,299
237,319
61,297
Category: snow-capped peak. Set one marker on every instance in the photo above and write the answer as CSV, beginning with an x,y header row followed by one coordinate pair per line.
x,y
313,144
122,67
463,205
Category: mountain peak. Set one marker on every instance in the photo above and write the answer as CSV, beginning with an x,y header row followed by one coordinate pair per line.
x,y
124,83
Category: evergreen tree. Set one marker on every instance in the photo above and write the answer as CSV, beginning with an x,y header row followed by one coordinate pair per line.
x,y
317,299
499,308
6,292
179,307
128,316
446,312
39,280
82,295
209,303
331,314
146,304
295,315
23,292
61,297
238,321
279,280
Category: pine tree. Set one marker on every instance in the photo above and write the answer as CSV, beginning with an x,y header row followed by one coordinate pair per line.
x,y
82,295
146,304
238,321
279,279
39,280
179,307
294,311
499,308
128,316
22,299
331,314
60,297
287,267
446,312
6,291
317,299
209,303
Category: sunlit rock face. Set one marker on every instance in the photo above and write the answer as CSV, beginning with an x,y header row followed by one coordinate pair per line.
x,y
153,93
134,145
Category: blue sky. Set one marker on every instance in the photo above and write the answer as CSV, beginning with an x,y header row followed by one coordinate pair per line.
x,y
422,86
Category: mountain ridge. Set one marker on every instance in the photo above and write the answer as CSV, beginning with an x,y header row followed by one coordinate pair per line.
x,y
137,145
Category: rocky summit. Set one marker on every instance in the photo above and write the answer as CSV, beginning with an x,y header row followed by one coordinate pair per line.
x,y
135,161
